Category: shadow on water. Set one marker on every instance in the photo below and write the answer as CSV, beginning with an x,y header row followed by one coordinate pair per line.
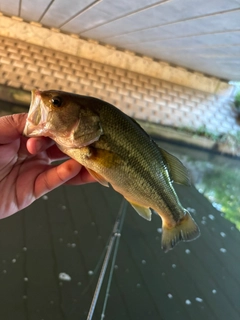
x,y
52,252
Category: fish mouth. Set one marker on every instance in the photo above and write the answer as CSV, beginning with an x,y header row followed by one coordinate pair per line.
x,y
37,116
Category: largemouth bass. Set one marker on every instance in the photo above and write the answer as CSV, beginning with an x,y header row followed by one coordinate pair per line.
x,y
117,151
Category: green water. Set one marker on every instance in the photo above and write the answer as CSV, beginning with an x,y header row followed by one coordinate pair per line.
x,y
216,176
220,184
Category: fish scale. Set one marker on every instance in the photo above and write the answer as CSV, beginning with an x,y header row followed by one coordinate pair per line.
x,y
116,150
145,166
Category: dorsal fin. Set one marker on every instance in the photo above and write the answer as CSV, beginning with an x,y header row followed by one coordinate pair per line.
x,y
177,171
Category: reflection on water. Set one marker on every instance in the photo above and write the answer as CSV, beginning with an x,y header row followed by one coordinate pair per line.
x,y
217,177
220,184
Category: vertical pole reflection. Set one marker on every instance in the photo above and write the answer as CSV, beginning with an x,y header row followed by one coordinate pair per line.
x,y
113,244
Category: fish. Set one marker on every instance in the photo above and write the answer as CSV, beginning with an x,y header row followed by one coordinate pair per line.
x,y
116,151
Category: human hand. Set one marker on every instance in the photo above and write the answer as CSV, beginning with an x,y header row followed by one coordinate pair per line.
x,y
26,172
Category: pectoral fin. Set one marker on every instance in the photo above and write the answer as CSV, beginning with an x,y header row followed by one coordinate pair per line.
x,y
142,211
177,171
98,177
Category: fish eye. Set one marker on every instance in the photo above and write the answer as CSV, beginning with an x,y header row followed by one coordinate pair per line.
x,y
56,101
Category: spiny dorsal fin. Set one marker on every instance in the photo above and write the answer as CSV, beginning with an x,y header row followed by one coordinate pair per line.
x,y
177,171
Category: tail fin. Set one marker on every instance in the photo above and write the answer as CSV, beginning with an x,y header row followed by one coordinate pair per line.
x,y
185,230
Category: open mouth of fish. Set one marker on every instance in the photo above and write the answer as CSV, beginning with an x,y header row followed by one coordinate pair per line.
x,y
36,123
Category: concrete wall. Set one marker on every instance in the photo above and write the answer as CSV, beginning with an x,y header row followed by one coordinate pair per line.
x,y
28,66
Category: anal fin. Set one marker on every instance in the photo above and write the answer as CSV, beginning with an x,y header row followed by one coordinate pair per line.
x,y
142,211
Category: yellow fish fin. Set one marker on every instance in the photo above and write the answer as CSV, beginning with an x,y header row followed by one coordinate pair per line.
x,y
177,171
98,177
142,211
185,230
